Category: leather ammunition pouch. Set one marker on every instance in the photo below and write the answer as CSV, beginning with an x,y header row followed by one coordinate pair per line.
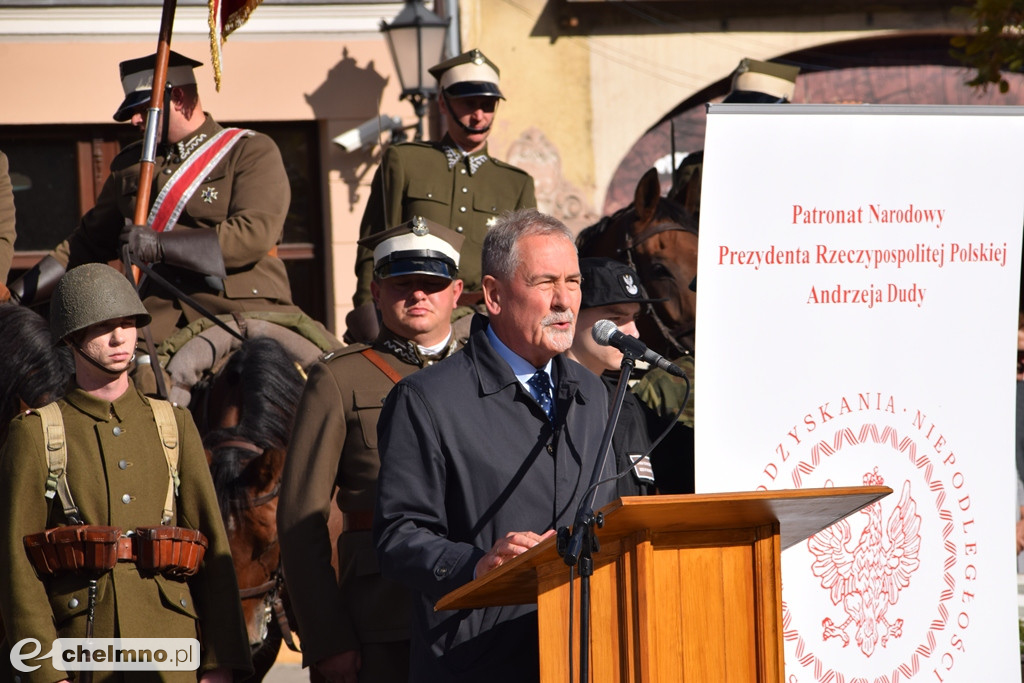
x,y
84,548
175,552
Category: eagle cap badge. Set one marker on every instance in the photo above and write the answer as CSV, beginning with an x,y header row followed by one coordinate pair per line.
x,y
419,226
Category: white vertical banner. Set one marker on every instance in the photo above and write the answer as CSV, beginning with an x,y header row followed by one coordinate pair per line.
x,y
857,321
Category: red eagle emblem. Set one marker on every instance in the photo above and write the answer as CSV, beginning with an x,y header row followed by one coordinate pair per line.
x,y
867,578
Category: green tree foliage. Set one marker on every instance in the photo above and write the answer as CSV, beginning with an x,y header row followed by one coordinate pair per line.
x,y
997,44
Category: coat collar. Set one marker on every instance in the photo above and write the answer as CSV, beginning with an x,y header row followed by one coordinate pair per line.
x,y
100,409
494,374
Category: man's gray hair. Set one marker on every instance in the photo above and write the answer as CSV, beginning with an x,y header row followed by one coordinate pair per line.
x,y
501,256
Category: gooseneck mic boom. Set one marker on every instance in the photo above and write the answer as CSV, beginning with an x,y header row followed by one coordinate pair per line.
x,y
606,333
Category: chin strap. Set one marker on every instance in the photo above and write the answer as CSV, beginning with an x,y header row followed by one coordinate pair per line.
x,y
460,124
92,361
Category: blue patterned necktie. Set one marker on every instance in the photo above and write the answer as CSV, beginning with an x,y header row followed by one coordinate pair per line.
x,y
541,387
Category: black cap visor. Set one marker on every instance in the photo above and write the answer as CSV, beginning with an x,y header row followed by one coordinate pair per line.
x,y
416,263
473,89
133,100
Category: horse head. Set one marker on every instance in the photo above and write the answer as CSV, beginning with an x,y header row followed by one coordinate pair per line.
x,y
250,409
656,237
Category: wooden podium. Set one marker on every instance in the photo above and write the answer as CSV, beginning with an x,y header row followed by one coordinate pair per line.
x,y
685,588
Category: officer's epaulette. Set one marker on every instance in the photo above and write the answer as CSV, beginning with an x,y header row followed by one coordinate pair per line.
x,y
343,351
505,164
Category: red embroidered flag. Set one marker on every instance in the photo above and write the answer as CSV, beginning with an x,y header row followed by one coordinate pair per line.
x,y
225,17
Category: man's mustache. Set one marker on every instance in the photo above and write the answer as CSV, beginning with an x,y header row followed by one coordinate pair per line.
x,y
558,317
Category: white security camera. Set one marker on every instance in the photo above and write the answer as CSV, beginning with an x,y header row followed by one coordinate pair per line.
x,y
366,134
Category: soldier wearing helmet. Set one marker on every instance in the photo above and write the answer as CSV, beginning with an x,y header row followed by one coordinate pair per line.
x,y
130,463
355,625
455,182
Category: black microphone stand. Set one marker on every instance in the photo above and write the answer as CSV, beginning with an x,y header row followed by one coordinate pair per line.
x,y
576,547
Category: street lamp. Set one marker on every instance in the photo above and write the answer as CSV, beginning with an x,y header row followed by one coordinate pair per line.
x,y
416,39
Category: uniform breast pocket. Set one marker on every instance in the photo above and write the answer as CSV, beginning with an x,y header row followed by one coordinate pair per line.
x,y
367,404
495,198
427,190
209,203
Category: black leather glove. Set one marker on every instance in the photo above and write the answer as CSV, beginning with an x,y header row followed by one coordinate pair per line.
x,y
144,243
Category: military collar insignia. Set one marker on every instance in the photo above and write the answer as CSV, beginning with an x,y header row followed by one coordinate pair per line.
x,y
402,349
476,162
186,147
454,156
407,351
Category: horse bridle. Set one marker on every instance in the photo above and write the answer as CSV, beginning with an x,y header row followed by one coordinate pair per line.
x,y
629,244
269,590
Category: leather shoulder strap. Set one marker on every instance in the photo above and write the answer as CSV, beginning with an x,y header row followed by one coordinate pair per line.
x,y
163,413
382,365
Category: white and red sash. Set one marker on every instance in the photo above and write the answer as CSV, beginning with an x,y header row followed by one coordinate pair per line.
x,y
182,185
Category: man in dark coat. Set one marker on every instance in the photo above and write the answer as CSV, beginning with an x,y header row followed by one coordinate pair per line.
x,y
355,625
455,182
487,453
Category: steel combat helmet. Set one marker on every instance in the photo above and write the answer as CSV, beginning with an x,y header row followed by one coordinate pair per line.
x,y
90,294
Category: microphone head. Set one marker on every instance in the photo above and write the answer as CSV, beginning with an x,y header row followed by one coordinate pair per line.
x,y
602,332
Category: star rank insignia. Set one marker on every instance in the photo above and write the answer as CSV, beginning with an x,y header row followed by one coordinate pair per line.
x,y
491,221
209,194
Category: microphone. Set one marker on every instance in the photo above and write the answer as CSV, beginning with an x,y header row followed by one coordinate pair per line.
x,y
606,333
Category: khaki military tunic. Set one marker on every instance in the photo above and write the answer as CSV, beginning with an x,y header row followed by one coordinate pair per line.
x,y
244,198
434,180
334,448
7,233
117,474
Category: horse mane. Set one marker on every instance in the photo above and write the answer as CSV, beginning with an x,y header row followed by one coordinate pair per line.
x,y
32,369
262,378
666,209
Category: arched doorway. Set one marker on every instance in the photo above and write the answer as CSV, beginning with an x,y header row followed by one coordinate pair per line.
x,y
896,69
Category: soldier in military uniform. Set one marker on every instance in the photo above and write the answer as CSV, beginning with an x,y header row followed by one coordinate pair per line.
x,y
354,625
6,225
226,209
454,182
118,474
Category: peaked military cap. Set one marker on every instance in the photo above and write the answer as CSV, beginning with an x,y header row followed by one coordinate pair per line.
x,y
607,281
468,74
417,247
755,81
137,79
